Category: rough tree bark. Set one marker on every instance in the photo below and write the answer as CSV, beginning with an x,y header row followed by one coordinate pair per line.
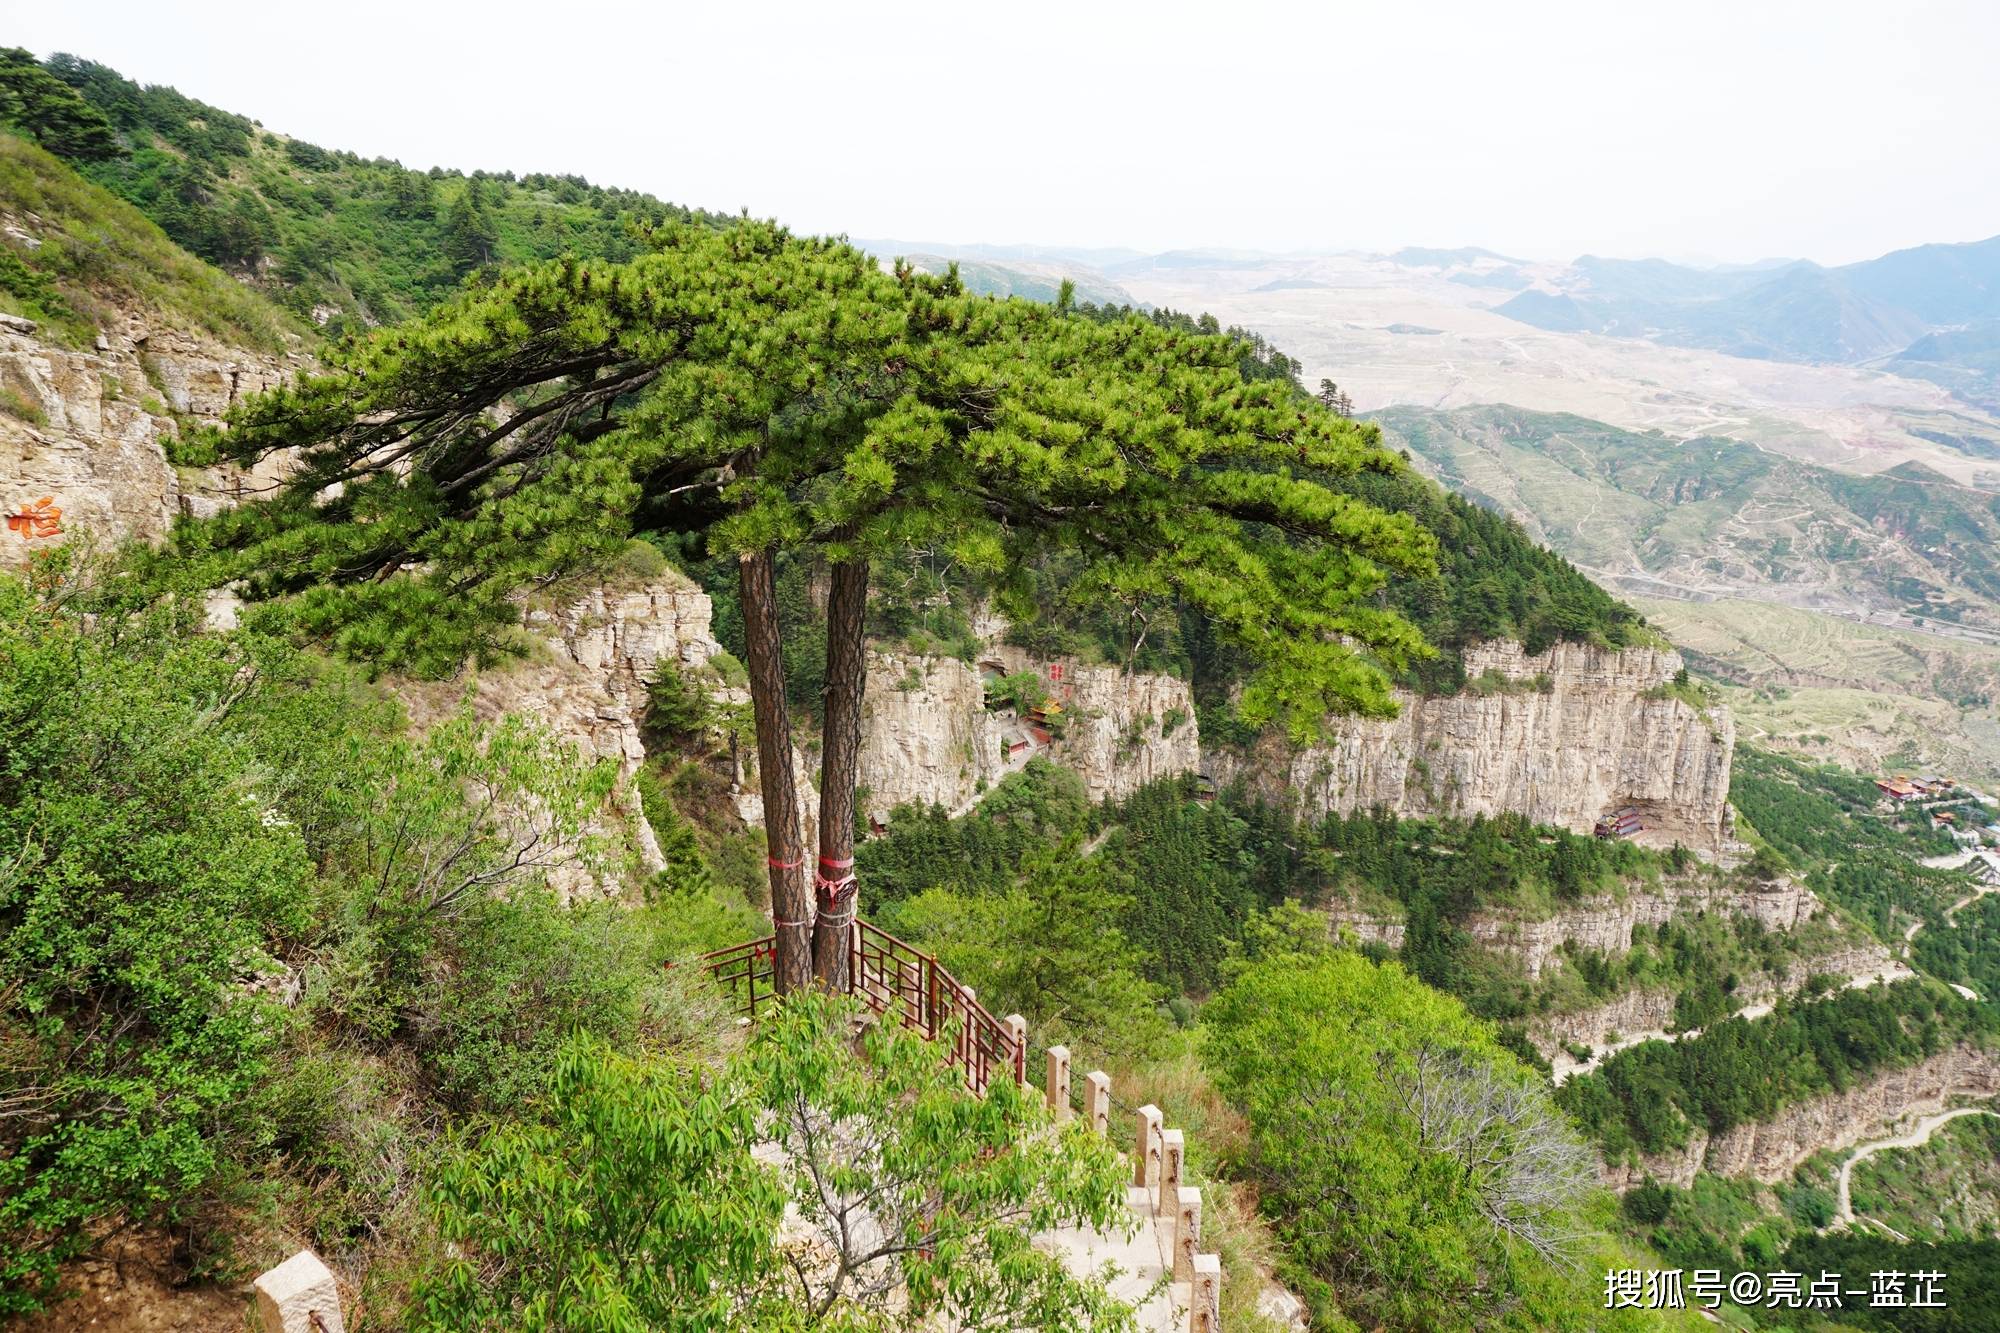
x,y
846,676
791,905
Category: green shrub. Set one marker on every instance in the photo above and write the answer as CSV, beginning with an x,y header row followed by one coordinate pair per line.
x,y
1648,1204
635,1189
144,880
1387,1135
515,976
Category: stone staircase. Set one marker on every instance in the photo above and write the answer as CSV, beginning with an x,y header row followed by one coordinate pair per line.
x,y
1161,1271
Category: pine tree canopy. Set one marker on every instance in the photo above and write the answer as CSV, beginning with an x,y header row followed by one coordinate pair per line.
x,y
774,392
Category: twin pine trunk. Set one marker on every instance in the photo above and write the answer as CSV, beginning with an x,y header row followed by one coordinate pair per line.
x,y
811,936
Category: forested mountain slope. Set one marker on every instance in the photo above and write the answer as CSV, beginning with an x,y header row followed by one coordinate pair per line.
x,y
331,236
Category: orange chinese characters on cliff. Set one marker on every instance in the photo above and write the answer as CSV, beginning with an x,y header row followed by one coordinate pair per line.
x,y
40,519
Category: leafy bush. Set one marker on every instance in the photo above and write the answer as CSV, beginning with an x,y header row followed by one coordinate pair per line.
x,y
1048,946
635,1191
146,884
258,947
1408,1162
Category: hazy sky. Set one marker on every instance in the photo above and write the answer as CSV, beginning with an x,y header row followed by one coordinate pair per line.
x,y
1735,130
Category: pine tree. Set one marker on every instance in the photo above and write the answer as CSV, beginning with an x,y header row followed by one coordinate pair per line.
x,y
51,112
779,393
471,241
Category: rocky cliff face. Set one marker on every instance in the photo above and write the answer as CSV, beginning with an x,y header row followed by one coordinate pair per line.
x,y
589,686
1652,1010
1125,729
1605,924
1572,735
1771,1150
928,737
86,428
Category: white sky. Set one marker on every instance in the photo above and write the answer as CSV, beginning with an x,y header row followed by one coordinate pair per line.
x,y
1734,130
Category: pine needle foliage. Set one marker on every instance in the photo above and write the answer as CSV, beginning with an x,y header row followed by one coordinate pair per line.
x,y
772,392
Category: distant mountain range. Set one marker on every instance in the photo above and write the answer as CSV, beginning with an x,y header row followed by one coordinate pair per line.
x,y
1089,256
1932,311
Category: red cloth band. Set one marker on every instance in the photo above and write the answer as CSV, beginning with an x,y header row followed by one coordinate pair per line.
x,y
776,864
832,864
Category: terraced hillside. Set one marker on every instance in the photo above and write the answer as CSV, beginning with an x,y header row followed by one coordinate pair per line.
x,y
1645,512
1863,696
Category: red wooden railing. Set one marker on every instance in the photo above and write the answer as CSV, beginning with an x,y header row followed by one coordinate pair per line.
x,y
896,981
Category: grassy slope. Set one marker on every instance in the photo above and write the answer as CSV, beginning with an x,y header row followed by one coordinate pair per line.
x,y
99,258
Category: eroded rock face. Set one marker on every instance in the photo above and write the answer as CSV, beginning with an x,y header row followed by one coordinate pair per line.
x,y
927,736
86,428
1605,923
589,686
1653,1010
1571,739
1125,729
1770,1151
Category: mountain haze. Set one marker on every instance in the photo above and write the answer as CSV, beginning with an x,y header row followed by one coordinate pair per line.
x,y
1855,313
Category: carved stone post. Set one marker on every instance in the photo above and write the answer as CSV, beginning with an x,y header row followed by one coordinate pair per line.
x,y
1146,1152
1017,1032
1098,1096
1173,1157
1057,1089
290,1295
1205,1300
1187,1232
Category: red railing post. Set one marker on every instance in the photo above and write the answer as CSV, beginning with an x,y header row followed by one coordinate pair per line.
x,y
930,972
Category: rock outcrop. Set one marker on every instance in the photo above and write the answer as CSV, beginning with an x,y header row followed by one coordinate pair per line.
x,y
1605,923
1771,1150
1641,1011
87,429
1566,738
588,685
1126,728
928,737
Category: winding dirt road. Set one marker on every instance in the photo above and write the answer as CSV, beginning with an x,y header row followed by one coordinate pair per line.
x,y
1563,1067
1915,1138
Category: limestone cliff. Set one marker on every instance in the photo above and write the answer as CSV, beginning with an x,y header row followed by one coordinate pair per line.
x,y
589,685
1566,738
1605,923
928,737
1770,1151
87,428
1643,1011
